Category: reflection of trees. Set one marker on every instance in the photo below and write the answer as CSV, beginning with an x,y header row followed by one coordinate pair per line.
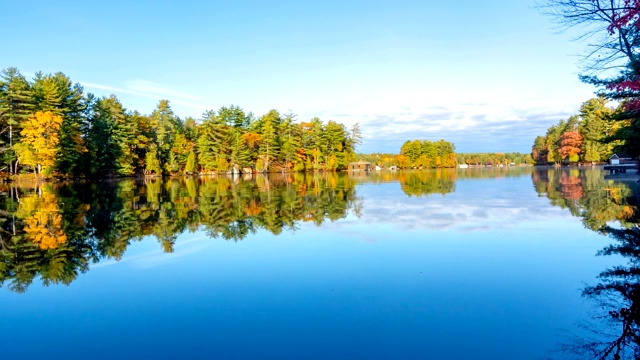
x,y
615,334
55,232
619,290
585,194
418,183
40,238
42,219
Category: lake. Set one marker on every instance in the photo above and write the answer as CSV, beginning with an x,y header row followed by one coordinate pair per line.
x,y
444,264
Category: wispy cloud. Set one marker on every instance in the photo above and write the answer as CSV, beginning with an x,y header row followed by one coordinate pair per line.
x,y
151,90
157,257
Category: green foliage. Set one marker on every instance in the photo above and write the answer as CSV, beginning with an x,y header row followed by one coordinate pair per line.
x,y
427,154
595,127
99,137
191,166
152,162
16,106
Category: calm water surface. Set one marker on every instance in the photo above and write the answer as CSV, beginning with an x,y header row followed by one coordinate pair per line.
x,y
452,264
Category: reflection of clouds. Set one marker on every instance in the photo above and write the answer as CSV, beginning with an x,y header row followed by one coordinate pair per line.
x,y
158,257
485,210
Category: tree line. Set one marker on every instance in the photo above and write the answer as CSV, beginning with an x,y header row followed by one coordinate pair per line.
x,y
51,126
414,154
386,160
494,159
592,135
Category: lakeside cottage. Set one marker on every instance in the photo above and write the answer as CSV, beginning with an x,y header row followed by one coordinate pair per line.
x,y
614,159
359,166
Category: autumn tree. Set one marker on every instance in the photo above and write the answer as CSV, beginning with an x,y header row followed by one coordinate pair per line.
x,y
539,150
571,145
40,139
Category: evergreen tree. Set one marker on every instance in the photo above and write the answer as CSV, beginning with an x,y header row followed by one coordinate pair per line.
x,y
595,128
164,125
191,166
290,137
152,162
269,147
16,106
213,142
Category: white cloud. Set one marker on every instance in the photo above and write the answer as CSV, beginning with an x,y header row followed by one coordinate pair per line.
x,y
150,90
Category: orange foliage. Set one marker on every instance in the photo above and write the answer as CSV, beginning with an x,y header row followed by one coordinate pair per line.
x,y
251,139
571,144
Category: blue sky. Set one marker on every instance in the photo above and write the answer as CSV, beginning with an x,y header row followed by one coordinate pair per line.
x,y
488,76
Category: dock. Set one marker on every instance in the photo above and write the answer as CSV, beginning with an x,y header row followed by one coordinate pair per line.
x,y
620,168
624,177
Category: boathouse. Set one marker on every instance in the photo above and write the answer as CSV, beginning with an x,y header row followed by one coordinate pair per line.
x,y
359,166
614,159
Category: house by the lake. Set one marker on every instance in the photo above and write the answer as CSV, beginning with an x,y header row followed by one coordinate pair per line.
x,y
359,166
614,159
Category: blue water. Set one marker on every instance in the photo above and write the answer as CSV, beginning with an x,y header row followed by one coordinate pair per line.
x,y
489,271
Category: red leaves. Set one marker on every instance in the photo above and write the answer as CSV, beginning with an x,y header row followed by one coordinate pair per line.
x,y
628,14
632,85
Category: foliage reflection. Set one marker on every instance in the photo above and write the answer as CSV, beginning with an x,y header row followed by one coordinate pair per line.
x,y
610,208
54,231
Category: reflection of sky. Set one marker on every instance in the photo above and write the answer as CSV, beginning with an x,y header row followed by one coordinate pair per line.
x,y
410,280
475,205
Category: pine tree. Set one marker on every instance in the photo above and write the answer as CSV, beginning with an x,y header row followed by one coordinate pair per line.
x,y
153,165
213,142
595,128
240,154
290,136
16,106
191,167
164,125
336,138
268,138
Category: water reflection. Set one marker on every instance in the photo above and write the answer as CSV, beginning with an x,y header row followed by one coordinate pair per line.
x,y
585,193
55,231
610,208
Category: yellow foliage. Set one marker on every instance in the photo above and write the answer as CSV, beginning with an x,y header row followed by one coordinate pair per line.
x,y
40,138
42,219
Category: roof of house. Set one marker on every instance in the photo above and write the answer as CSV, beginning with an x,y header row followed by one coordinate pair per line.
x,y
614,156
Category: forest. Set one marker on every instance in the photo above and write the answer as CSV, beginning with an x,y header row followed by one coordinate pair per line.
x,y
386,160
51,127
592,135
